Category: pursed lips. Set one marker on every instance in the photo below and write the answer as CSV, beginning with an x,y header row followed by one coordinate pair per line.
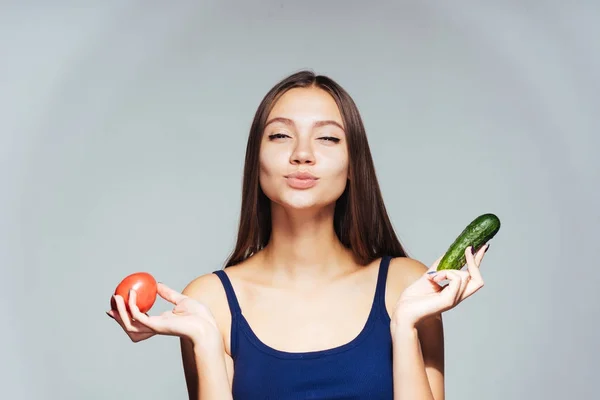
x,y
301,180
301,176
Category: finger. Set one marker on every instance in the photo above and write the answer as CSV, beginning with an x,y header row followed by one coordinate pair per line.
x,y
472,287
464,282
448,274
480,254
138,337
134,310
457,282
148,323
474,271
450,293
140,317
141,332
169,294
462,277
433,268
124,314
115,315
471,258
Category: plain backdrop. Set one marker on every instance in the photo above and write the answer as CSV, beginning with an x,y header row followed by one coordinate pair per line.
x,y
123,128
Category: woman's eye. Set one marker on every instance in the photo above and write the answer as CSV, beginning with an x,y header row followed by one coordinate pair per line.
x,y
277,136
330,138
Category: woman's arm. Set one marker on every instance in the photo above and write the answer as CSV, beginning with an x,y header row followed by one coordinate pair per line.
x,y
416,323
419,360
418,350
208,370
207,377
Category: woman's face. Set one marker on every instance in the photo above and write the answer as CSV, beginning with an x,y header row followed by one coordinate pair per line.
x,y
304,135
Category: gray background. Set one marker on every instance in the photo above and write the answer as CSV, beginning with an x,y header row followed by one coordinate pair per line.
x,y
122,135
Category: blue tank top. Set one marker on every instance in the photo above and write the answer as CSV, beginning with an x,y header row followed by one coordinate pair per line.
x,y
359,369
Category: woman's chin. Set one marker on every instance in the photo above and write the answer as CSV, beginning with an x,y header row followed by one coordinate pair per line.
x,y
300,203
304,200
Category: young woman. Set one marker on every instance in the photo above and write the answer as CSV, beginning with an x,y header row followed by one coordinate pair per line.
x,y
319,299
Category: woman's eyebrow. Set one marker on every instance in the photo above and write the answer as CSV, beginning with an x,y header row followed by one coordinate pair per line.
x,y
317,124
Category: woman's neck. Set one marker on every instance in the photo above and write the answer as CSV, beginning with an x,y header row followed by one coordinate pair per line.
x,y
304,247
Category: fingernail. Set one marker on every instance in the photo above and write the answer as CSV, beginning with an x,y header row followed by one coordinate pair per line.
x,y
432,272
486,248
472,250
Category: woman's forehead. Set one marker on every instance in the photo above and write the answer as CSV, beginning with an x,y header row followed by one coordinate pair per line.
x,y
306,104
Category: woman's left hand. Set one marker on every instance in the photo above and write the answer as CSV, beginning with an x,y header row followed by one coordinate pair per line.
x,y
425,297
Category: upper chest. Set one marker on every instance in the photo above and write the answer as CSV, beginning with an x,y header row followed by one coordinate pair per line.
x,y
306,319
300,321
322,344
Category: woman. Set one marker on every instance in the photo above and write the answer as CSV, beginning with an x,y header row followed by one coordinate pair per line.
x,y
319,299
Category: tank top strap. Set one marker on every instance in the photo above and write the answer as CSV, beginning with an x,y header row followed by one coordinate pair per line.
x,y
381,284
232,300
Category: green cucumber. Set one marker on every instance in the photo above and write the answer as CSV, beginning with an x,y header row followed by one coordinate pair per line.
x,y
476,234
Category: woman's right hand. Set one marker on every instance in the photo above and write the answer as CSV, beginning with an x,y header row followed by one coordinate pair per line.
x,y
188,319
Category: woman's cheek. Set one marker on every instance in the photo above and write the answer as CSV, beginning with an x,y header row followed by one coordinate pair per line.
x,y
336,165
337,178
269,172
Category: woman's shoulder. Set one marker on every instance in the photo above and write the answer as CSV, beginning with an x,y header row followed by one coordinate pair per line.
x,y
209,289
202,286
406,269
403,271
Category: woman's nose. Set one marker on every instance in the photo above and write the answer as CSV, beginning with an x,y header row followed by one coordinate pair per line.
x,y
302,154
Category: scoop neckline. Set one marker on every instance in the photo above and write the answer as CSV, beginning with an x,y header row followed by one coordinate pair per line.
x,y
262,346
364,332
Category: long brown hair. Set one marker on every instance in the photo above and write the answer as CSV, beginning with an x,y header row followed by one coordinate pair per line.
x,y
360,219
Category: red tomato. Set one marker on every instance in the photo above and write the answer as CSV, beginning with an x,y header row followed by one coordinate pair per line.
x,y
144,285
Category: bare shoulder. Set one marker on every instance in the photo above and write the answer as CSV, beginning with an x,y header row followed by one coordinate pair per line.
x,y
403,271
408,269
206,288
